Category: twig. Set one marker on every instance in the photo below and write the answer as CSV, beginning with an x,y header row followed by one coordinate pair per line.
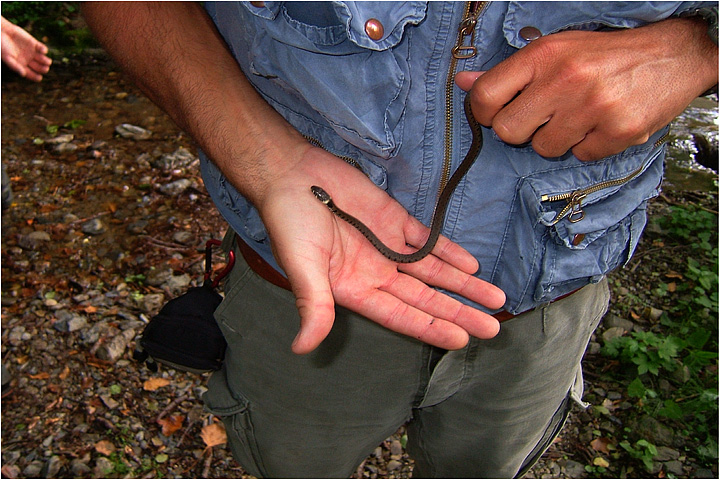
x,y
171,406
91,217
208,463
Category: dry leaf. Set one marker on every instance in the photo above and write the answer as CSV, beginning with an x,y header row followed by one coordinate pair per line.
x,y
214,434
601,462
671,287
672,274
90,309
171,424
104,447
40,376
152,384
64,374
600,445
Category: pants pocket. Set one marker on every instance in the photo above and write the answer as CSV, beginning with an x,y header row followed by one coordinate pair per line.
x,y
234,411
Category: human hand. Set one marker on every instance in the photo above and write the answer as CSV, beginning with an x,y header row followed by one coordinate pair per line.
x,y
23,53
327,260
596,93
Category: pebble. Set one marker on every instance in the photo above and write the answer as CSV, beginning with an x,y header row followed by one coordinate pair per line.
x,y
67,321
60,139
137,227
33,469
65,148
53,466
114,349
79,468
611,321
132,132
675,467
103,467
574,469
175,188
181,158
158,276
93,227
152,302
612,332
183,237
178,282
32,241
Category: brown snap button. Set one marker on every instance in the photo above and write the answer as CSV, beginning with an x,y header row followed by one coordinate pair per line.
x,y
577,239
257,4
374,29
530,33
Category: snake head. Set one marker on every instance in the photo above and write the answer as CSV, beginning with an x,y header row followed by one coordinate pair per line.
x,y
320,194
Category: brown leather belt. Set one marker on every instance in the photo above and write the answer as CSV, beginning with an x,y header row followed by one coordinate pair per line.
x,y
268,273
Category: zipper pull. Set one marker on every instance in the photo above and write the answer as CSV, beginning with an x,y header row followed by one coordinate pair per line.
x,y
576,211
467,29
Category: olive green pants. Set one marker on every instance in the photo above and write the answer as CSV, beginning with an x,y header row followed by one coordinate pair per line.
x,y
488,410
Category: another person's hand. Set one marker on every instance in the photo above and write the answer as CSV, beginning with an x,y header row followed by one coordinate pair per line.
x,y
596,93
327,260
23,53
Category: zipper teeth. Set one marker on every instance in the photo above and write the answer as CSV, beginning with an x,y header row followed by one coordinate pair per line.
x,y
345,158
594,188
449,82
603,185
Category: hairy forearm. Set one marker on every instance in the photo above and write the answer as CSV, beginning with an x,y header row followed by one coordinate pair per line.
x,y
173,52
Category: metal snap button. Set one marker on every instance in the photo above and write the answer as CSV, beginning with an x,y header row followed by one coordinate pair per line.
x,y
374,29
257,4
530,33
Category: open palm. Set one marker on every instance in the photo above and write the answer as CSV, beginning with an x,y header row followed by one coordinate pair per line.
x,y
327,261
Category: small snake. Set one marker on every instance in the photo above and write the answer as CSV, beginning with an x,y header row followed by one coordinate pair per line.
x,y
440,208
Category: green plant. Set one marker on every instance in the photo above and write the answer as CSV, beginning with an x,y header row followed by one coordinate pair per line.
x,y
641,450
57,23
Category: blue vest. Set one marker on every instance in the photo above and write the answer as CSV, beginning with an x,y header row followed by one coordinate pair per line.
x,y
381,103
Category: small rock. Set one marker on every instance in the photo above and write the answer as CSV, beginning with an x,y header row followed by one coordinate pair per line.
x,y
574,469
53,466
176,188
393,465
137,227
109,402
33,469
79,468
60,139
33,240
103,467
114,349
704,473
181,158
152,302
183,237
675,467
157,276
611,321
65,148
666,454
178,282
396,448
67,321
132,132
653,431
93,227
613,332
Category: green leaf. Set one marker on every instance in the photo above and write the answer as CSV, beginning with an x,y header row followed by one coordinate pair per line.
x,y
636,389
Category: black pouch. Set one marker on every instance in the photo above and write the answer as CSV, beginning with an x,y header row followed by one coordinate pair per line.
x,y
184,334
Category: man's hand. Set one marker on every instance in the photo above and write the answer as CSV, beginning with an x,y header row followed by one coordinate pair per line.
x,y
596,93
327,260
23,53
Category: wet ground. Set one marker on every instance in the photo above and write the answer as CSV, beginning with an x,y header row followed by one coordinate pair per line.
x,y
106,226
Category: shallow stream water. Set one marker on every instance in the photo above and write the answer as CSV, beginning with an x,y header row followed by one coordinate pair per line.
x,y
682,172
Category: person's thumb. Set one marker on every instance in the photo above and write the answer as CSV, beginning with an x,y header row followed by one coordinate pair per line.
x,y
315,304
466,79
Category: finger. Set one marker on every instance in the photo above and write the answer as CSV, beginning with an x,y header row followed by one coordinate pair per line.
x,y
416,234
13,64
497,87
466,79
308,276
433,271
558,136
517,122
596,146
441,306
396,315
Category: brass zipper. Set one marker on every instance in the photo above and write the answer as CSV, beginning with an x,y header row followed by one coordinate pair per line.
x,y
461,50
347,159
573,209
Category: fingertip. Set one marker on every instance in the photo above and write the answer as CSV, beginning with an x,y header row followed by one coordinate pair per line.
x,y
465,79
